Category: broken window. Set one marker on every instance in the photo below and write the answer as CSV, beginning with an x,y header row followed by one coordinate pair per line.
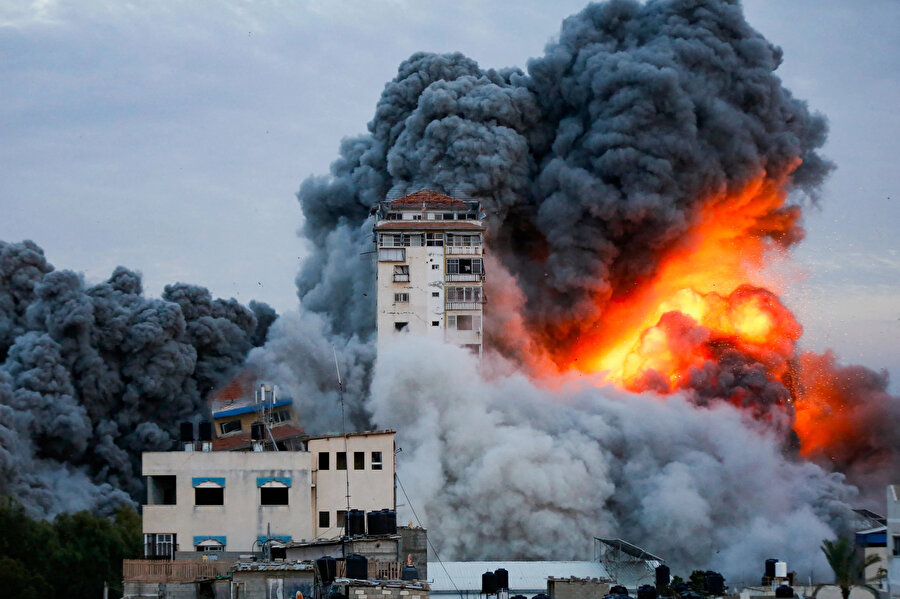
x,y
340,461
402,327
232,426
323,460
376,460
359,460
464,322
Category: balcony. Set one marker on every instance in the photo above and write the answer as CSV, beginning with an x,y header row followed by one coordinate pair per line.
x,y
137,570
463,250
465,278
401,278
463,305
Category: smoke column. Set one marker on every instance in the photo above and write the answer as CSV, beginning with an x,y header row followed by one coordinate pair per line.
x,y
612,159
93,375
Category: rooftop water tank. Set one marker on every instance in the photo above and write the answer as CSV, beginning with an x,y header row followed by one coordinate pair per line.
x,y
646,591
187,432
780,569
715,583
257,431
770,567
784,592
502,578
618,590
356,523
326,567
488,583
375,522
662,576
410,573
390,522
357,567
205,430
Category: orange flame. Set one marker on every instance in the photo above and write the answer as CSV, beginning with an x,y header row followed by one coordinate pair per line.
x,y
706,291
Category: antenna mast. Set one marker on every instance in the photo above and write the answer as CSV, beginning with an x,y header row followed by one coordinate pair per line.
x,y
340,382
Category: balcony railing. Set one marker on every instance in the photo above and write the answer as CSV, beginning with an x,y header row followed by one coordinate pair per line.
x,y
465,278
401,278
465,250
141,570
463,305
378,570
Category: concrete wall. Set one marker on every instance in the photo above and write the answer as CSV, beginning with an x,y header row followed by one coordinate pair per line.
x,y
271,585
221,589
576,588
386,592
414,541
893,534
241,519
369,489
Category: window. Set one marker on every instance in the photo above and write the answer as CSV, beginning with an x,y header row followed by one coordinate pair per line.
x,y
323,460
464,322
401,298
463,294
209,496
434,239
401,269
211,548
159,546
274,495
281,416
473,348
376,460
417,217
324,520
435,266
341,518
392,255
435,294
460,266
896,545
340,462
448,216
435,323
459,239
359,460
232,426
402,327
392,216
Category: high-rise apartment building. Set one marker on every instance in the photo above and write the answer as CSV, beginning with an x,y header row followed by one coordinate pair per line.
x,y
430,269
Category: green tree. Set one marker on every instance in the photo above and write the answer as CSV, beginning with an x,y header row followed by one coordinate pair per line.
x,y
846,562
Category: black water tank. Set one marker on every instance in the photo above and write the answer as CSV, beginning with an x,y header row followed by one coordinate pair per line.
x,y
541,596
518,597
715,583
257,431
618,590
375,523
356,523
357,567
390,522
784,592
488,583
662,576
770,567
502,578
326,568
680,588
187,432
205,430
410,573
646,591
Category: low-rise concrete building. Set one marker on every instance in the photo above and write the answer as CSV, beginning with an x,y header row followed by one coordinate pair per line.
x,y
229,503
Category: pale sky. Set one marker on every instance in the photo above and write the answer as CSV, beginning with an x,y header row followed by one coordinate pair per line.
x,y
171,137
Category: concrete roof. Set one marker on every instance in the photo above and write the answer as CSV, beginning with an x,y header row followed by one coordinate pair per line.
x,y
440,225
524,577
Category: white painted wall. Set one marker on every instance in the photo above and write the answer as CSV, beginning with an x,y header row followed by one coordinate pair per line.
x,y
893,531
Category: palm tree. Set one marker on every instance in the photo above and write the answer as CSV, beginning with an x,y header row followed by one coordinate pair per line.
x,y
845,561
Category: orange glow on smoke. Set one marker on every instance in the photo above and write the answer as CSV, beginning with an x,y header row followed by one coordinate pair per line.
x,y
819,420
706,293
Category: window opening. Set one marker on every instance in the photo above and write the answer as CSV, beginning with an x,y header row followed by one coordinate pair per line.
x,y
274,495
376,460
209,496
323,460
324,520
402,327
401,298
340,460
359,460
232,426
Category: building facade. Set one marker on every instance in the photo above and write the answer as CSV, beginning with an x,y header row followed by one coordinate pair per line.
x,y
430,269
233,502
893,539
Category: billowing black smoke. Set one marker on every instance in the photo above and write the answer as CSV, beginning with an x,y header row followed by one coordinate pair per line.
x,y
93,375
591,165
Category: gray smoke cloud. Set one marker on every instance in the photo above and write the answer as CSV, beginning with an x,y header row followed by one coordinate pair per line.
x,y
591,165
501,468
92,376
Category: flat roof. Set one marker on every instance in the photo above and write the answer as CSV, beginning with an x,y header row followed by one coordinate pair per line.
x,y
386,431
428,198
524,576
438,225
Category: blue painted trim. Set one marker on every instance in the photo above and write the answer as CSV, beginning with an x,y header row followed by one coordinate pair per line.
x,y
200,538
875,538
281,538
219,480
251,408
285,480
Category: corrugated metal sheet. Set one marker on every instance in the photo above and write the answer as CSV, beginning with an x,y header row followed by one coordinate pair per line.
x,y
524,577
